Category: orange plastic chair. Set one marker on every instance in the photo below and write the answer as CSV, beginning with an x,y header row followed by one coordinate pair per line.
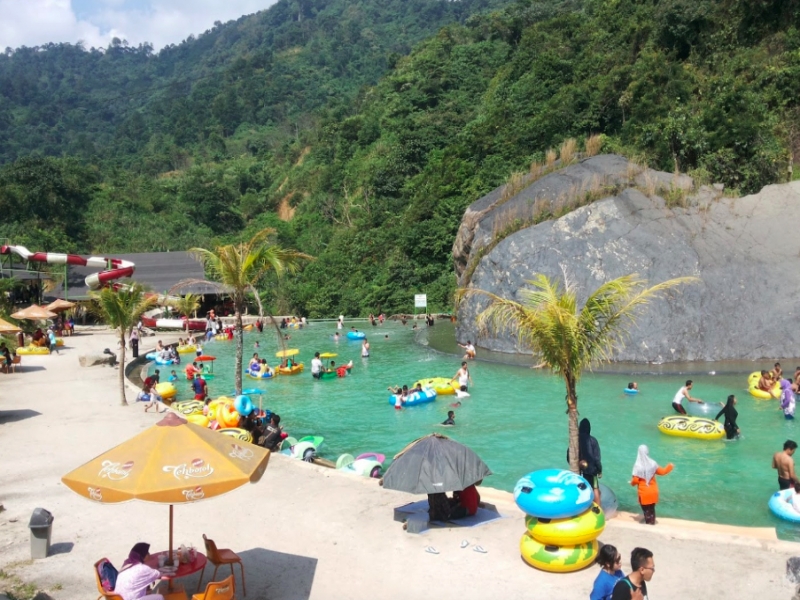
x,y
103,594
220,557
218,590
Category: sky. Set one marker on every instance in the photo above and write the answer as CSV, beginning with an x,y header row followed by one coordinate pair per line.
x,y
96,22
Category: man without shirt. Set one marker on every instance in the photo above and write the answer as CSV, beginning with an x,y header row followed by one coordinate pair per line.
x,y
784,463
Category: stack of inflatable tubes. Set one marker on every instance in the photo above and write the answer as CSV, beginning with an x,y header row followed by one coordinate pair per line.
x,y
563,522
752,386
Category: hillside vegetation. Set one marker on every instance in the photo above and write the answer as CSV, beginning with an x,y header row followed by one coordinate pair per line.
x,y
373,180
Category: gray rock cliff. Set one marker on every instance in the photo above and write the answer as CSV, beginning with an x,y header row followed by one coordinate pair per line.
x,y
744,250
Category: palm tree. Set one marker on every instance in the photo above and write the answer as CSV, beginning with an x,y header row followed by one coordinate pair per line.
x,y
568,339
121,310
238,268
186,306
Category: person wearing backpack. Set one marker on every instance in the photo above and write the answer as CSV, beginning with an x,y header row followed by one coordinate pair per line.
x,y
634,586
135,580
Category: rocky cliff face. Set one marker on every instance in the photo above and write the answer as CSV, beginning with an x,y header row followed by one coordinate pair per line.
x,y
744,250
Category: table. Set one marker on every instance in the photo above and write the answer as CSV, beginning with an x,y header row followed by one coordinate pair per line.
x,y
184,569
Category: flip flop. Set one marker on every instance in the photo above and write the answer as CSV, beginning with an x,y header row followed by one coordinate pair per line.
x,y
465,543
480,549
431,550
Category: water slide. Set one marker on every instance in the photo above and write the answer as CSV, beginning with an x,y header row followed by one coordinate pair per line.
x,y
114,268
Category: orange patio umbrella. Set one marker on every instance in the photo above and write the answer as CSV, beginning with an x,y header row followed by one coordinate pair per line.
x,y
60,305
6,327
172,462
34,313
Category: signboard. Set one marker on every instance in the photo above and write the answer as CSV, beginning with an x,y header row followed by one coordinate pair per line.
x,y
420,300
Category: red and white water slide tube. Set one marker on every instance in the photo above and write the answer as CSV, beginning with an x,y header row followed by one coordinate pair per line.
x,y
115,268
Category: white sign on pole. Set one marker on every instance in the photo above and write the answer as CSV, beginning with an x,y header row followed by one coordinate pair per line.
x,y
420,300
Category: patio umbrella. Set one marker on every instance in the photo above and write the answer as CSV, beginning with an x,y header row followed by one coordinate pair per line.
x,y
287,353
60,305
6,327
172,462
34,313
434,464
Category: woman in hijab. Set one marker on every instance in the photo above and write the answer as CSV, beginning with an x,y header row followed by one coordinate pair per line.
x,y
787,399
135,578
589,463
644,476
730,412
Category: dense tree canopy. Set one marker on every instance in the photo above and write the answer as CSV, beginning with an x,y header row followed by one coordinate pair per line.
x,y
317,118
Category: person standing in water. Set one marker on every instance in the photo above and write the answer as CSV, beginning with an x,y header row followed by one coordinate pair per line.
x,y
591,469
787,399
365,349
451,418
463,377
644,476
784,463
677,401
732,430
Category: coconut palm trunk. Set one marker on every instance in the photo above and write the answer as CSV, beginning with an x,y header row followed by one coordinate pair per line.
x,y
123,399
239,344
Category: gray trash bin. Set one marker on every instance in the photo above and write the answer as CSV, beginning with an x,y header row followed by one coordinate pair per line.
x,y
41,526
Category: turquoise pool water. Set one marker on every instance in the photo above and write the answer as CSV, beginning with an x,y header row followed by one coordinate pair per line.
x,y
515,419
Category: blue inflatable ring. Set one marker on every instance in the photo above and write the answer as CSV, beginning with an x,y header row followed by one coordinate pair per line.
x,y
553,494
630,391
243,405
781,507
356,335
423,397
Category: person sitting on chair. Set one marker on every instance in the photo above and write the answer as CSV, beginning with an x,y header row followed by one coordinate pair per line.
x,y
136,579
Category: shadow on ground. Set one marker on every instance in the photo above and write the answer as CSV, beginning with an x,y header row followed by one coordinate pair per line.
x,y
23,368
11,416
268,574
61,548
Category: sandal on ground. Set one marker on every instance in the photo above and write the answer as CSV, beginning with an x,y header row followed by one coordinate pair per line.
x,y
480,549
431,550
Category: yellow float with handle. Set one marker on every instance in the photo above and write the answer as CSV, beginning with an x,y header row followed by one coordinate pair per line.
x,y
166,390
187,349
557,559
26,350
237,433
752,386
198,419
189,407
580,529
441,385
227,416
691,427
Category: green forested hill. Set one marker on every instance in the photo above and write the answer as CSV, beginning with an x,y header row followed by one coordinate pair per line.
x,y
374,180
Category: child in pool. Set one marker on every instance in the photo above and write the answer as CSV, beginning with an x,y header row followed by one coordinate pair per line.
x,y
173,376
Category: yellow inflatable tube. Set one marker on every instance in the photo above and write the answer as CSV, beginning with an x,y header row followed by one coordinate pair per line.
x,y
691,427
200,420
441,385
189,407
187,349
583,528
237,433
24,350
557,559
752,385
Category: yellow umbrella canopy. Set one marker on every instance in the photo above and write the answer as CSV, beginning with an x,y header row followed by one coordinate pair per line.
x,y
328,355
34,313
172,462
285,353
60,305
6,327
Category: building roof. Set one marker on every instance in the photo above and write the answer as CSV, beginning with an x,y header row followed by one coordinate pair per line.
x,y
158,271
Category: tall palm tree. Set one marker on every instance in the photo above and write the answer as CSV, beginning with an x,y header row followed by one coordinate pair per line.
x,y
121,310
186,306
566,338
238,268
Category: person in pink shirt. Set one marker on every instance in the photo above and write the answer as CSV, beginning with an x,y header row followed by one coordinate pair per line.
x,y
136,578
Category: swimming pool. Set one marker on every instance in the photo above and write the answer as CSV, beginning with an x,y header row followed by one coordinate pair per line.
x,y
515,418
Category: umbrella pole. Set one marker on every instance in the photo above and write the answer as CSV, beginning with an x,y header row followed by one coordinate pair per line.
x,y
169,556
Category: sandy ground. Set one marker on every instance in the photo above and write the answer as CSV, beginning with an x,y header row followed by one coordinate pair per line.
x,y
306,532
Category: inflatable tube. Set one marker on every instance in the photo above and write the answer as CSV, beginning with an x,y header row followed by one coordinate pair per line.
x,y
26,350
356,335
200,420
780,505
187,349
442,385
258,375
166,390
608,501
189,407
691,427
583,528
237,433
290,370
553,494
243,405
557,559
423,397
227,416
221,337
752,386
630,391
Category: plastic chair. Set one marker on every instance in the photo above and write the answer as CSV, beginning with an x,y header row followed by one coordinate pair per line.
x,y
220,557
103,593
218,590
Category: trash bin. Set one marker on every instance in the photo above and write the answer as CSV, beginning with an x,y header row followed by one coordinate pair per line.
x,y
41,526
